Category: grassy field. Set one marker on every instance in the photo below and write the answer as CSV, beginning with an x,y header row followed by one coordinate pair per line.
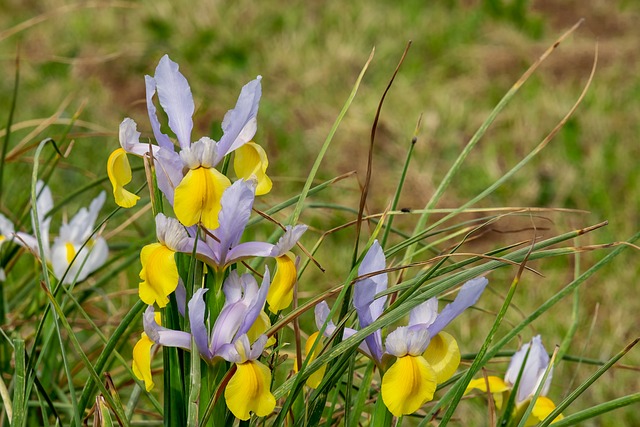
x,y
88,59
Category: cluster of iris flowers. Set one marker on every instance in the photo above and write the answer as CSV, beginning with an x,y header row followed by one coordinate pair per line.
x,y
211,214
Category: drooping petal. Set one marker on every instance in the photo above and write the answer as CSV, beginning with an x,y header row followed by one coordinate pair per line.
x,y
239,124
541,409
142,361
248,391
251,161
175,98
161,335
281,291
159,274
119,172
443,354
162,139
468,295
197,198
407,385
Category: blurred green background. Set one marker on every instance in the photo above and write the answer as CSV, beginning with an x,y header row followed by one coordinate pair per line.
x,y
89,58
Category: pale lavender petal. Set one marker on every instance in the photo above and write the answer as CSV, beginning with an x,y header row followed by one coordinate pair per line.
x,y
164,336
288,239
232,288
175,98
468,295
168,172
237,202
240,123
197,309
258,347
321,312
256,303
533,371
425,313
130,138
181,297
248,250
27,241
365,290
229,353
226,326
162,139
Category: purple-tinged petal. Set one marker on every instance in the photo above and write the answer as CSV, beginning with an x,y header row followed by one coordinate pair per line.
x,y
257,347
237,202
468,295
425,313
288,239
533,371
321,312
256,304
365,290
181,297
226,326
197,309
240,123
175,98
163,140
232,288
168,172
248,250
164,336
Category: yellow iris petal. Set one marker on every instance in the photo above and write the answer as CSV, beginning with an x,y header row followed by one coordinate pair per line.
x,y
541,409
314,379
496,385
281,290
259,327
248,390
197,197
251,159
159,274
142,361
443,354
408,384
119,172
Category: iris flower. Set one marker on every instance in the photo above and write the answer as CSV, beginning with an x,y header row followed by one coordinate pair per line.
x,y
188,178
415,358
532,375
249,387
74,249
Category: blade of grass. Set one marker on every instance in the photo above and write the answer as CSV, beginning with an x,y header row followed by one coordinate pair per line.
x,y
19,387
596,410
